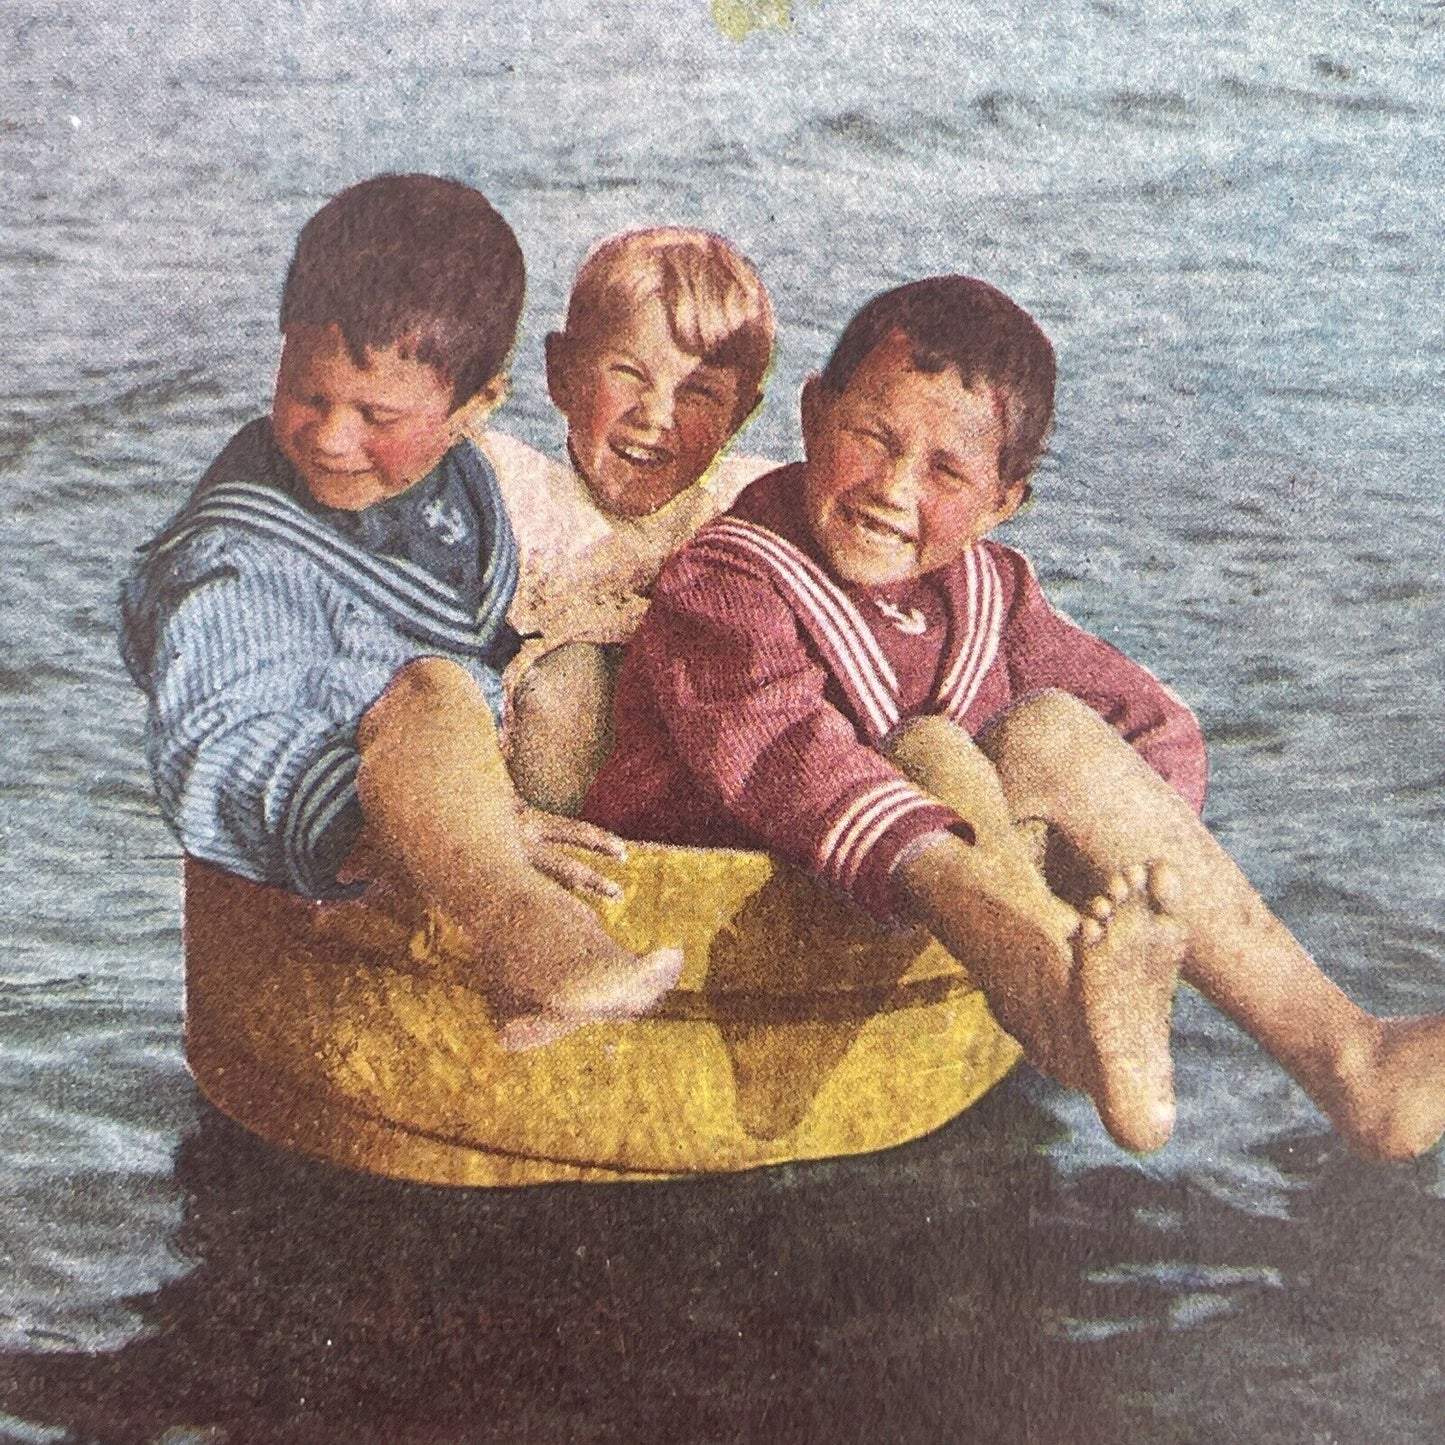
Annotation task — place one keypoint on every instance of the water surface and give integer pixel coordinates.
(1229, 219)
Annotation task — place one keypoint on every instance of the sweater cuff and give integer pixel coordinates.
(861, 849)
(323, 821)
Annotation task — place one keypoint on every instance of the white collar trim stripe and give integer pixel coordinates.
(398, 587)
(979, 639)
(866, 671)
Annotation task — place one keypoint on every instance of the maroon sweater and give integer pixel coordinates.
(755, 694)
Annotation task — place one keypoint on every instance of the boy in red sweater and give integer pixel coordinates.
(845, 672)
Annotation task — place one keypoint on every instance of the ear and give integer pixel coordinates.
(1013, 496)
(470, 415)
(815, 402)
(560, 352)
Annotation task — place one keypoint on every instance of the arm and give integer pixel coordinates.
(747, 707)
(253, 729)
(253, 711)
(1044, 649)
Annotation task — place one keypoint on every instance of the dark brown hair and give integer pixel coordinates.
(418, 263)
(973, 327)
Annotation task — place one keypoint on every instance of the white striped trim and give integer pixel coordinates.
(281, 515)
(323, 793)
(863, 822)
(395, 585)
(863, 667)
(978, 635)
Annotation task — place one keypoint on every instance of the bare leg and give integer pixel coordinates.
(561, 728)
(1380, 1081)
(441, 815)
(1089, 997)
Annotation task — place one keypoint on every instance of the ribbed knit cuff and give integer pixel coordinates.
(859, 852)
(323, 821)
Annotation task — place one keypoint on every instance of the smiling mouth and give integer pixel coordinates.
(878, 529)
(322, 469)
(641, 454)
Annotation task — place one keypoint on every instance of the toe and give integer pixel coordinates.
(1147, 1130)
(1137, 876)
(664, 968)
(1101, 908)
(1165, 886)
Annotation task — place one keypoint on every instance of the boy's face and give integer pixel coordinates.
(358, 435)
(644, 417)
(902, 471)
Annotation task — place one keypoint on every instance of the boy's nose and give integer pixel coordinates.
(900, 482)
(337, 432)
(656, 407)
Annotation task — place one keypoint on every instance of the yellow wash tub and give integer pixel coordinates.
(799, 1030)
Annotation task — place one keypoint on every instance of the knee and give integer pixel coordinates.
(922, 742)
(424, 688)
(1047, 740)
(1056, 711)
(561, 728)
(433, 682)
(943, 760)
(577, 672)
(564, 701)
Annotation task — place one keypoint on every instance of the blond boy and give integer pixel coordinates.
(667, 340)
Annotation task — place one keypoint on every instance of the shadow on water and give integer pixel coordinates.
(841, 1300)
(958, 1292)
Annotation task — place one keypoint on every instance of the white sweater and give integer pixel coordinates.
(586, 574)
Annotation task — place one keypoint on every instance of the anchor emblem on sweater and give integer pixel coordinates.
(912, 622)
(445, 521)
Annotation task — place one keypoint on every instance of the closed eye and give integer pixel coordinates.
(874, 436)
(702, 393)
(956, 472)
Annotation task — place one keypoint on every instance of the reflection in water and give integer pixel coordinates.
(960, 1293)
(837, 1300)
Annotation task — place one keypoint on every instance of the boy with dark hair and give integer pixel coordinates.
(417, 262)
(846, 672)
(320, 631)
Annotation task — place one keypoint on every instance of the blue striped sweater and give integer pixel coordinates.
(261, 627)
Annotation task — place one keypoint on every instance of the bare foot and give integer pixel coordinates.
(1127, 954)
(616, 994)
(550, 968)
(1389, 1102)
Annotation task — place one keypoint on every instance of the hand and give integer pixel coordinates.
(543, 837)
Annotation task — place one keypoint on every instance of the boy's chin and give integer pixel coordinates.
(624, 496)
(875, 578)
(347, 492)
(872, 567)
